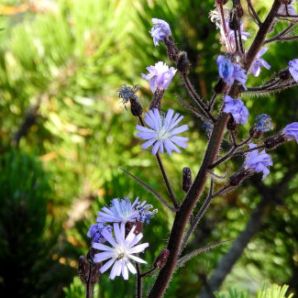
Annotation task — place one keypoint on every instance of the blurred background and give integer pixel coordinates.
(65, 134)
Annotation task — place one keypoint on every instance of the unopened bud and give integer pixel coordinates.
(285, 75)
(161, 260)
(135, 107)
(183, 64)
(231, 124)
(186, 179)
(239, 177)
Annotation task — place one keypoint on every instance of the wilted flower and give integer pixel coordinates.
(291, 131)
(263, 123)
(227, 36)
(123, 211)
(259, 63)
(160, 30)
(121, 252)
(230, 72)
(162, 132)
(95, 232)
(159, 76)
(258, 162)
(293, 69)
(237, 108)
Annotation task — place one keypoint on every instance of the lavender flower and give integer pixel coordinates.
(160, 30)
(159, 76)
(162, 132)
(259, 63)
(123, 211)
(121, 252)
(291, 131)
(230, 72)
(237, 108)
(258, 161)
(293, 69)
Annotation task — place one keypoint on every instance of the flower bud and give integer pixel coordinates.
(186, 179)
(183, 64)
(161, 260)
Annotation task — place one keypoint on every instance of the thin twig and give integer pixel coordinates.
(144, 274)
(139, 290)
(253, 13)
(148, 188)
(184, 259)
(281, 34)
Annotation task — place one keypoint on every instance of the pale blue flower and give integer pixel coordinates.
(291, 131)
(159, 76)
(160, 30)
(258, 161)
(230, 72)
(121, 251)
(236, 108)
(162, 132)
(259, 63)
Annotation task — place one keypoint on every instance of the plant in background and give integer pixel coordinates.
(234, 66)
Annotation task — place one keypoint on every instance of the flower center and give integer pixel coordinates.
(162, 134)
(121, 253)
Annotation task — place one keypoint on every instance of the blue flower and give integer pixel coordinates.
(162, 132)
(160, 30)
(293, 69)
(120, 251)
(258, 162)
(291, 131)
(230, 72)
(236, 108)
(259, 63)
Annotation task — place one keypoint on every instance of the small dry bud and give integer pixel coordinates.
(186, 179)
(183, 64)
(275, 141)
(219, 87)
(161, 260)
(135, 107)
(231, 124)
(239, 177)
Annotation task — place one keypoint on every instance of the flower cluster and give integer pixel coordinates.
(258, 162)
(159, 76)
(236, 108)
(230, 72)
(111, 228)
(162, 132)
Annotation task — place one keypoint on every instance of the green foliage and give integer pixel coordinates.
(24, 239)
